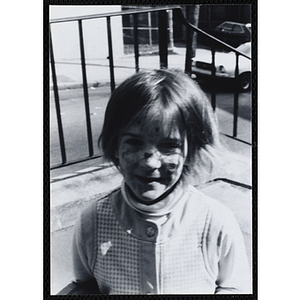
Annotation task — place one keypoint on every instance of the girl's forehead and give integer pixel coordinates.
(146, 129)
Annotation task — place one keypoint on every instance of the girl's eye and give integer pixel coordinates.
(134, 142)
(170, 147)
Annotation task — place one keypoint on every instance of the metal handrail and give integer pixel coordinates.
(163, 54)
(146, 10)
(115, 14)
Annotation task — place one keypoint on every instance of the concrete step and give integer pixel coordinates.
(72, 192)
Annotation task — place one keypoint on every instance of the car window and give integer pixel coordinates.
(224, 27)
(237, 29)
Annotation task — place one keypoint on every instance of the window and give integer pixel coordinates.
(226, 27)
(237, 29)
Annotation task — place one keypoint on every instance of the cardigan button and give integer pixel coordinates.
(150, 231)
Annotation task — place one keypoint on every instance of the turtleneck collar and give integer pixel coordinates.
(159, 209)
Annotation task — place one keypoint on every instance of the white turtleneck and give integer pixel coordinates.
(159, 211)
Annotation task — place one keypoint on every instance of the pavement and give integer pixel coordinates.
(69, 73)
(73, 188)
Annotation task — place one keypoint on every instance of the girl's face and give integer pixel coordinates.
(150, 162)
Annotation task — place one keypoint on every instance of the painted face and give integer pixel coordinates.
(150, 162)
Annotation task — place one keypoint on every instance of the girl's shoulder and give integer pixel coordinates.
(213, 208)
(97, 207)
(215, 215)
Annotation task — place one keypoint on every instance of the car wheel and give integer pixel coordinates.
(245, 82)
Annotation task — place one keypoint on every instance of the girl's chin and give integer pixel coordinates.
(150, 196)
(150, 193)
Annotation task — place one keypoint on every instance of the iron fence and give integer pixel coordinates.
(162, 12)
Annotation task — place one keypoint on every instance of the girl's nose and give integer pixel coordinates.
(152, 159)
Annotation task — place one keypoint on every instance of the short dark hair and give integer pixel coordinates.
(164, 98)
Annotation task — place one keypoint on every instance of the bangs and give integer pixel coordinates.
(161, 117)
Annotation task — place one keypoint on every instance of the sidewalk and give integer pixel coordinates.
(69, 73)
(76, 187)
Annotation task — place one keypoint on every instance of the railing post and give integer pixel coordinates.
(236, 97)
(150, 29)
(192, 13)
(136, 43)
(85, 91)
(110, 55)
(57, 105)
(188, 54)
(163, 38)
(213, 81)
(171, 39)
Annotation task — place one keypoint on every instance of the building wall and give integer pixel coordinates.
(65, 36)
(147, 26)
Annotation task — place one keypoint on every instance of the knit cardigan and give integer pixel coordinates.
(199, 249)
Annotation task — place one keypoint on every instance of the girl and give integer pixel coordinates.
(158, 234)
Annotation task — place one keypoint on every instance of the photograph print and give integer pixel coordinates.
(151, 164)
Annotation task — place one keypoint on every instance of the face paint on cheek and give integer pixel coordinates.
(129, 157)
(127, 154)
(174, 166)
(174, 161)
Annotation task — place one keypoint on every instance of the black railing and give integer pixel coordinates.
(163, 60)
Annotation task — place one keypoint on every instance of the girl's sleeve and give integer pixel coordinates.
(84, 245)
(233, 267)
(226, 254)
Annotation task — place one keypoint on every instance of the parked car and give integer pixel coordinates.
(225, 63)
(232, 33)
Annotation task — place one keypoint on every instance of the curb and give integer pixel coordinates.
(81, 172)
(77, 85)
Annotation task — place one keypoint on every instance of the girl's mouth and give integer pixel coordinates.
(147, 180)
